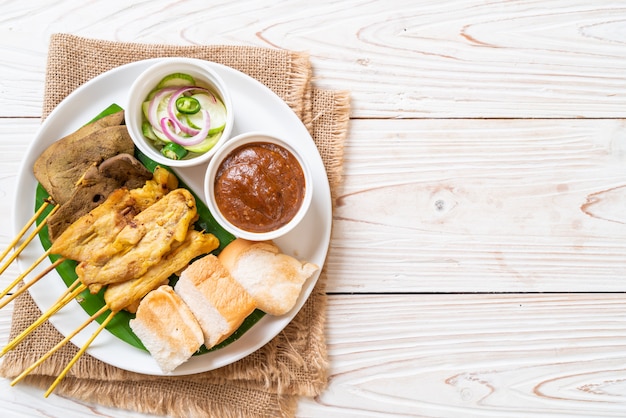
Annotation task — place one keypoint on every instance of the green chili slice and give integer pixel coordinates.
(173, 151)
(187, 105)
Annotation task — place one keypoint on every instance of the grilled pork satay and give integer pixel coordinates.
(89, 236)
(127, 295)
(162, 183)
(84, 237)
(143, 242)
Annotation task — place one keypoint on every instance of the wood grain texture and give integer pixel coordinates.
(486, 153)
(402, 58)
(482, 205)
(15, 138)
(447, 356)
(487, 356)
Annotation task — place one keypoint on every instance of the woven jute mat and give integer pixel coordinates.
(268, 382)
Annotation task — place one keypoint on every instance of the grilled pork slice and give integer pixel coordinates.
(89, 238)
(86, 237)
(142, 242)
(167, 328)
(218, 302)
(272, 278)
(128, 294)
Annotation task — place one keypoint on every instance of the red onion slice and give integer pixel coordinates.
(154, 104)
(168, 125)
(172, 127)
(173, 114)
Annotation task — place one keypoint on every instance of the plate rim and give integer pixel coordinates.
(253, 341)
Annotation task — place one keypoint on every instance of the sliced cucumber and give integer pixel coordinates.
(148, 132)
(175, 80)
(159, 113)
(208, 143)
(145, 107)
(217, 112)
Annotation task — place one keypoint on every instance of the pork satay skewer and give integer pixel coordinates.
(123, 295)
(121, 200)
(19, 236)
(180, 197)
(77, 286)
(32, 235)
(80, 353)
(65, 298)
(114, 210)
(28, 284)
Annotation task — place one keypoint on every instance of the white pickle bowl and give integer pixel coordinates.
(145, 84)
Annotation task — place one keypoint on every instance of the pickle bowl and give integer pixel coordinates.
(258, 186)
(179, 112)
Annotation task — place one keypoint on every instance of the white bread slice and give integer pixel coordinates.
(273, 279)
(219, 303)
(167, 328)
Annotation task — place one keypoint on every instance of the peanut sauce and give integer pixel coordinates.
(259, 187)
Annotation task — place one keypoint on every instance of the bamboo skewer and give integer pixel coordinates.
(28, 284)
(27, 271)
(21, 276)
(70, 294)
(27, 241)
(80, 353)
(32, 220)
(59, 345)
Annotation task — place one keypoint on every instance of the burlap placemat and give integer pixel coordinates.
(269, 381)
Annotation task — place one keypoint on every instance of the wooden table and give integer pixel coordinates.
(478, 263)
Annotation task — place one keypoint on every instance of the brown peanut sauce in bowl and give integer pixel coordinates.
(259, 187)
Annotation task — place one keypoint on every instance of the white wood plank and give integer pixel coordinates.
(478, 356)
(15, 137)
(481, 205)
(405, 58)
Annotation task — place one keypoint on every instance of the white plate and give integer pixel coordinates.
(256, 109)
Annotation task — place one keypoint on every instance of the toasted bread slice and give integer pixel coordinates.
(167, 328)
(217, 300)
(272, 278)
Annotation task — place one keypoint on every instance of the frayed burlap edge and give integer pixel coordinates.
(175, 400)
(66, 50)
(335, 125)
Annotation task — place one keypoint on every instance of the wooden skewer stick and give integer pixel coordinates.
(28, 284)
(59, 345)
(61, 302)
(27, 241)
(26, 272)
(19, 236)
(80, 353)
